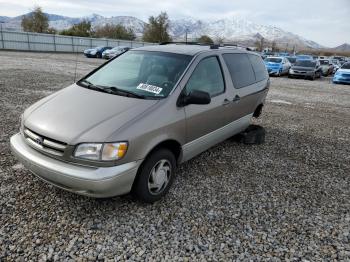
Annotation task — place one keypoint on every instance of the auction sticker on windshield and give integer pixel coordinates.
(149, 88)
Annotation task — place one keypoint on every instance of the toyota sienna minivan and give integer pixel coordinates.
(128, 124)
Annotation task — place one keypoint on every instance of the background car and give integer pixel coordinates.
(292, 59)
(342, 76)
(326, 66)
(110, 53)
(336, 65)
(306, 69)
(277, 65)
(96, 52)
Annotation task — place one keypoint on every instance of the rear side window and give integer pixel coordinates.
(240, 68)
(258, 67)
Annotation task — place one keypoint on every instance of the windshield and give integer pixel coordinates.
(305, 63)
(273, 60)
(292, 59)
(324, 62)
(145, 73)
(98, 47)
(304, 57)
(346, 66)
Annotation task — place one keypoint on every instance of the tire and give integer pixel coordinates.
(146, 188)
(313, 77)
(99, 55)
(254, 134)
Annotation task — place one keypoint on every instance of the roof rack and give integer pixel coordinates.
(212, 46)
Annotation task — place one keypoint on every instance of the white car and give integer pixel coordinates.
(108, 54)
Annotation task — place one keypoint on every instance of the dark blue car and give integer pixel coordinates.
(96, 52)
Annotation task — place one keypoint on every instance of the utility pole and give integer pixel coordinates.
(186, 35)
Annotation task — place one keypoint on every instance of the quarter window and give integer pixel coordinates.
(207, 77)
(259, 67)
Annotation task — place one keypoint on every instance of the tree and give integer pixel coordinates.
(157, 29)
(260, 44)
(115, 32)
(81, 29)
(274, 46)
(204, 39)
(35, 21)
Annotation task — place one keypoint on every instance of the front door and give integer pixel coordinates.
(203, 122)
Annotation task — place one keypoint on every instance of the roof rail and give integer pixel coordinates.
(212, 46)
(236, 45)
(182, 43)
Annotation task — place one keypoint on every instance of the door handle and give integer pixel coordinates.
(226, 102)
(236, 98)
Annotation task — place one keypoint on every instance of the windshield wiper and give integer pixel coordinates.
(110, 89)
(116, 90)
(90, 85)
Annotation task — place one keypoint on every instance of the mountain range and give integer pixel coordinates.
(232, 29)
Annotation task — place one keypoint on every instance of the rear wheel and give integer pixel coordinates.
(155, 176)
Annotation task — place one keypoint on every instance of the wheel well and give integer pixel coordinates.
(172, 145)
(258, 111)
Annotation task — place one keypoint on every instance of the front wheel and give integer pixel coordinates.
(155, 176)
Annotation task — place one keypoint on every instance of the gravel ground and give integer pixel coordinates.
(288, 199)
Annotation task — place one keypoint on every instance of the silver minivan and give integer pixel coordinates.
(128, 124)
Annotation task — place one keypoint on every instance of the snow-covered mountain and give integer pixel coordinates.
(343, 48)
(235, 29)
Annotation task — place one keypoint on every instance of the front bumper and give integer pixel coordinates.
(273, 71)
(90, 55)
(301, 74)
(341, 80)
(89, 181)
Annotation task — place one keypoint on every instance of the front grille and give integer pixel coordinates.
(44, 144)
(346, 75)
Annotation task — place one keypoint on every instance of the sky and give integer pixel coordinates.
(326, 22)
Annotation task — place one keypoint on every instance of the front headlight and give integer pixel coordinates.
(291, 71)
(93, 52)
(101, 152)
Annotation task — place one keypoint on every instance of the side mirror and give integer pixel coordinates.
(195, 97)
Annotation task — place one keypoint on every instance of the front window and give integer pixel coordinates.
(273, 60)
(144, 73)
(207, 77)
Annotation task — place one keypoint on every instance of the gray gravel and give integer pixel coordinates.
(288, 199)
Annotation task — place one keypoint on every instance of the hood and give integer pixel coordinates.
(116, 51)
(77, 115)
(302, 68)
(343, 71)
